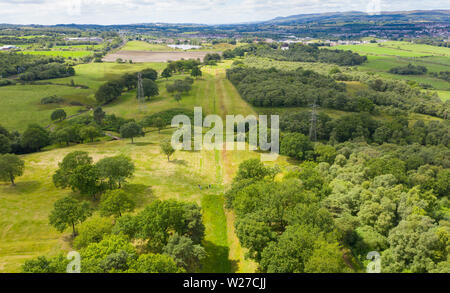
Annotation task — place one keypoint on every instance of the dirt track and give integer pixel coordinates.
(145, 56)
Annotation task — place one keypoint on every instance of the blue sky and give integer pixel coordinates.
(195, 11)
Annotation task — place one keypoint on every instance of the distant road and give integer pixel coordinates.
(146, 56)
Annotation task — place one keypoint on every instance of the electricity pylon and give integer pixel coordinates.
(140, 92)
(313, 125)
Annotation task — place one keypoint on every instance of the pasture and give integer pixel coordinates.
(24, 224)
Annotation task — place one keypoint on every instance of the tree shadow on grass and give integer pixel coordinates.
(141, 193)
(139, 144)
(178, 162)
(21, 187)
(217, 259)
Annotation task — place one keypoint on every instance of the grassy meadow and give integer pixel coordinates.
(24, 227)
(384, 56)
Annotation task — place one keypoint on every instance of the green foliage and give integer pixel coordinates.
(166, 73)
(131, 130)
(167, 149)
(296, 145)
(89, 132)
(252, 169)
(149, 73)
(58, 114)
(93, 230)
(116, 170)
(108, 92)
(68, 165)
(150, 88)
(185, 253)
(276, 88)
(116, 202)
(43, 265)
(157, 219)
(68, 212)
(180, 86)
(35, 138)
(409, 70)
(99, 115)
(302, 249)
(154, 263)
(196, 72)
(11, 166)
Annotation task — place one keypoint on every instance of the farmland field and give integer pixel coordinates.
(24, 218)
(384, 56)
(146, 56)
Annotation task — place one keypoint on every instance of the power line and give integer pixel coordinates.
(140, 91)
(313, 125)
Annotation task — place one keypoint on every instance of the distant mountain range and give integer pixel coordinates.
(357, 16)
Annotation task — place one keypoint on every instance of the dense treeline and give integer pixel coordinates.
(409, 70)
(274, 88)
(354, 126)
(13, 63)
(299, 52)
(47, 71)
(445, 75)
(279, 88)
(342, 202)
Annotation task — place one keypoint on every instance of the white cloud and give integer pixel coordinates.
(197, 11)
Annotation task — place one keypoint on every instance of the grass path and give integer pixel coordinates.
(231, 103)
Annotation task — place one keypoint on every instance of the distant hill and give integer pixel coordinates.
(357, 16)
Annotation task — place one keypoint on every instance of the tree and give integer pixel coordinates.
(11, 166)
(35, 138)
(185, 253)
(62, 136)
(116, 202)
(131, 130)
(89, 132)
(254, 234)
(99, 115)
(159, 123)
(177, 97)
(324, 153)
(167, 149)
(67, 167)
(196, 72)
(100, 257)
(5, 144)
(58, 114)
(149, 73)
(166, 73)
(108, 92)
(42, 265)
(68, 212)
(154, 263)
(87, 180)
(251, 169)
(150, 88)
(326, 258)
(296, 145)
(116, 169)
(129, 80)
(93, 230)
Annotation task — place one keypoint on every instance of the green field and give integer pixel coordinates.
(399, 49)
(65, 54)
(384, 56)
(24, 100)
(144, 46)
(24, 224)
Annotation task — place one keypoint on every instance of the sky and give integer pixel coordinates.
(49, 12)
